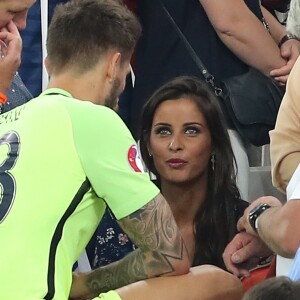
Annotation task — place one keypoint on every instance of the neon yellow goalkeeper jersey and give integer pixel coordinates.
(62, 161)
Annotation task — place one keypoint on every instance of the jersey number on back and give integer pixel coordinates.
(7, 181)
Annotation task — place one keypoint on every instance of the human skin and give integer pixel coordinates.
(244, 35)
(201, 283)
(13, 15)
(181, 146)
(278, 232)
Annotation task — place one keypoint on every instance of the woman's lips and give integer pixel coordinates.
(176, 163)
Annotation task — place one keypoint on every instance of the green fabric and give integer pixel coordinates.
(111, 295)
(64, 145)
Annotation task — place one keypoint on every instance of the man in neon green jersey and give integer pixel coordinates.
(66, 155)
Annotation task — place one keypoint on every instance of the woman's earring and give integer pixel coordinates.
(150, 155)
(213, 160)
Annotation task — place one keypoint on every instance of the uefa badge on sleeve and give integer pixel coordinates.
(134, 159)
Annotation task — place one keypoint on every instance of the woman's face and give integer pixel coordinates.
(180, 141)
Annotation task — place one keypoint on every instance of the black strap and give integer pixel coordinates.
(188, 46)
(208, 77)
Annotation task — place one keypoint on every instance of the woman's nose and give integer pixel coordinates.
(175, 144)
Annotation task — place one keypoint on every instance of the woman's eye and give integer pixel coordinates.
(192, 131)
(163, 131)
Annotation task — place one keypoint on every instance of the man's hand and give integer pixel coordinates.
(243, 223)
(11, 62)
(290, 51)
(243, 253)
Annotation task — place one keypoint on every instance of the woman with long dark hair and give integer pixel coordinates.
(208, 200)
(185, 144)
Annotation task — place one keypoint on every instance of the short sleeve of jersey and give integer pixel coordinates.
(109, 158)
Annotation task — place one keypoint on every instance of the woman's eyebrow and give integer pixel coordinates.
(161, 123)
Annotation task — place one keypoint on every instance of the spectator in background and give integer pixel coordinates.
(284, 160)
(31, 68)
(277, 288)
(13, 14)
(227, 36)
(278, 226)
(281, 6)
(293, 20)
(184, 143)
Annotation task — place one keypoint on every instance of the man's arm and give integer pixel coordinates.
(161, 252)
(154, 230)
(244, 253)
(284, 160)
(278, 226)
(247, 247)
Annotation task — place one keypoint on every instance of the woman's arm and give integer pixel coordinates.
(243, 33)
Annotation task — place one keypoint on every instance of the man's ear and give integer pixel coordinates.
(47, 65)
(113, 66)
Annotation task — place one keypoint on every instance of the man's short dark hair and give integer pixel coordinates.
(83, 30)
(276, 288)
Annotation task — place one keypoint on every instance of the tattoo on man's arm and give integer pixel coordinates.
(153, 229)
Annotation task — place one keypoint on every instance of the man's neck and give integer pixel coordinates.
(82, 87)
